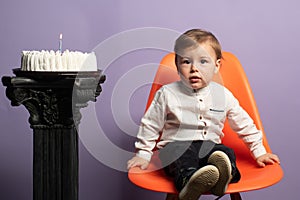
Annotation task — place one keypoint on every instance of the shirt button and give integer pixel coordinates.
(200, 117)
(204, 132)
(200, 100)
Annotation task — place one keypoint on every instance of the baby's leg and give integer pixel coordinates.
(224, 159)
(180, 161)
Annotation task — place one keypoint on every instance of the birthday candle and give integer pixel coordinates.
(60, 43)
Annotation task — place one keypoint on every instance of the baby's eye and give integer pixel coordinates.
(186, 62)
(203, 61)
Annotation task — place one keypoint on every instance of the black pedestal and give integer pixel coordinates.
(53, 100)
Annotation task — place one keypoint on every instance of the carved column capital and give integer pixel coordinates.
(53, 101)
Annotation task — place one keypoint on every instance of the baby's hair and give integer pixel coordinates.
(194, 37)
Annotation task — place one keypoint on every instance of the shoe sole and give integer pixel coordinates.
(200, 182)
(222, 162)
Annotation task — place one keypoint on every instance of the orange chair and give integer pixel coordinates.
(233, 77)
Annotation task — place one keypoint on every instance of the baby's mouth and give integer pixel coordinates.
(194, 79)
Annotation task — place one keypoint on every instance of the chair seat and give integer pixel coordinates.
(155, 179)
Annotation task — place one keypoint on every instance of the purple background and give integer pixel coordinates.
(263, 35)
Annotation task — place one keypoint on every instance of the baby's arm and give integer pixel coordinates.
(242, 123)
(267, 158)
(137, 162)
(151, 125)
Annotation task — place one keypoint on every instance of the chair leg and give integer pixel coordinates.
(172, 196)
(235, 196)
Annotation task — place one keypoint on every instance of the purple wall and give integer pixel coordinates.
(263, 35)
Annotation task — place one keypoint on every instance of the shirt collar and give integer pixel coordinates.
(198, 92)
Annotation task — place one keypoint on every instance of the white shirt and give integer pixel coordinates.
(180, 113)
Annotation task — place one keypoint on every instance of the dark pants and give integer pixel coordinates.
(182, 158)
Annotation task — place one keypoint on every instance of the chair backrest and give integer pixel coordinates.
(233, 77)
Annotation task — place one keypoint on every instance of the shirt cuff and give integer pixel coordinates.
(144, 154)
(259, 152)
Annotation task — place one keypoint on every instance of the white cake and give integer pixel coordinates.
(51, 61)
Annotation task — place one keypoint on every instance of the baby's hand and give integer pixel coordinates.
(137, 162)
(267, 158)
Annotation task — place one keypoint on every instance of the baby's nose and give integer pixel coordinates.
(194, 68)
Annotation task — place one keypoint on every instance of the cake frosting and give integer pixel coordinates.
(56, 61)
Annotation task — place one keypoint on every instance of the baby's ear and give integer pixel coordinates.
(176, 63)
(218, 65)
(177, 69)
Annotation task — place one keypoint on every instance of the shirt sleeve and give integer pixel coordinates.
(151, 124)
(243, 125)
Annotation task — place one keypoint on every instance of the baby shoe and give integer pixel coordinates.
(222, 162)
(200, 182)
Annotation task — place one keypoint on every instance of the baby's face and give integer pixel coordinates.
(197, 66)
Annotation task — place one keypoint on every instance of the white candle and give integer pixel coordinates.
(60, 43)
